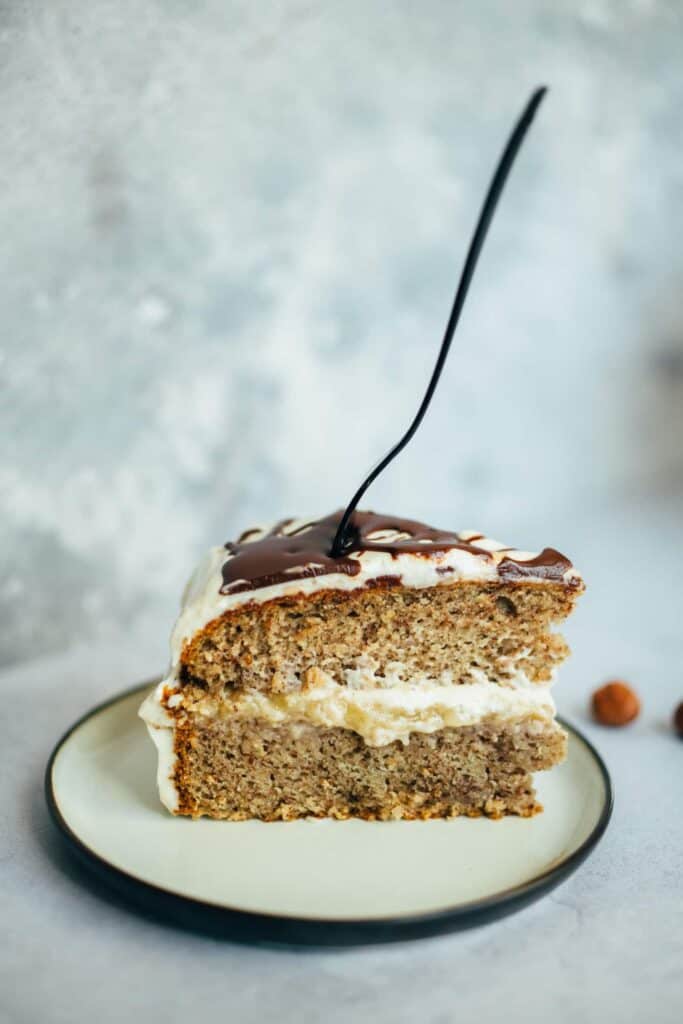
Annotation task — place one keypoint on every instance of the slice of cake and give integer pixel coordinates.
(408, 678)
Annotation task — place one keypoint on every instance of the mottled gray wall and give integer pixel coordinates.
(230, 235)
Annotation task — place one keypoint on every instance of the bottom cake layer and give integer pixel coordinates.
(239, 769)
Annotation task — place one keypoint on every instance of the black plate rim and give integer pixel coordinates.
(234, 923)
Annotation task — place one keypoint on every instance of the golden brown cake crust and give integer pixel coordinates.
(232, 769)
(497, 628)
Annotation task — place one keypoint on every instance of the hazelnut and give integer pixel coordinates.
(615, 704)
(678, 719)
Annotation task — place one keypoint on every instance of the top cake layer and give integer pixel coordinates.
(293, 558)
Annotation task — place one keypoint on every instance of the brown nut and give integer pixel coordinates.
(678, 719)
(615, 704)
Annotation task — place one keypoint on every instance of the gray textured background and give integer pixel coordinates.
(231, 233)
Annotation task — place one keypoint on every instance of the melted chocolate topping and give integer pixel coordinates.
(342, 538)
(549, 565)
(282, 556)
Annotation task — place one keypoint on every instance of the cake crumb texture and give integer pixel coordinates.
(493, 628)
(240, 769)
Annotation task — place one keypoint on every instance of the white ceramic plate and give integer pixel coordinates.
(323, 882)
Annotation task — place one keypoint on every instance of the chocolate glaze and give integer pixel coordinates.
(549, 565)
(279, 557)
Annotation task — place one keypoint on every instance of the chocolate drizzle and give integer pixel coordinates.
(549, 565)
(341, 539)
(336, 543)
(284, 554)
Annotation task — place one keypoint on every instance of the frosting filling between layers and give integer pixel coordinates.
(380, 715)
(383, 716)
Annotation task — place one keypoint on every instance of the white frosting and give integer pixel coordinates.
(382, 716)
(163, 738)
(203, 601)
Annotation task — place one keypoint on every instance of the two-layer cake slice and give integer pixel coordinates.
(408, 678)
